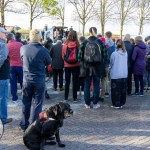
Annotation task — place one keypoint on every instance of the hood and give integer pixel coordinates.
(109, 42)
(121, 52)
(142, 45)
(71, 44)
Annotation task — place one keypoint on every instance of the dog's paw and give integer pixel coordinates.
(61, 144)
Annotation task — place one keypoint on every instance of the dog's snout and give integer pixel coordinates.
(71, 111)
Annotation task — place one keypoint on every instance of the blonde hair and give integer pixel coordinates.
(34, 36)
(138, 39)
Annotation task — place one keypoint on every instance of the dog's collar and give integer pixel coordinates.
(51, 119)
(44, 118)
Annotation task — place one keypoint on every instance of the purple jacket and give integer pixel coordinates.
(138, 58)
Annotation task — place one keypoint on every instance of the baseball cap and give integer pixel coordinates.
(2, 30)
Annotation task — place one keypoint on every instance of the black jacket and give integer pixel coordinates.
(97, 69)
(56, 55)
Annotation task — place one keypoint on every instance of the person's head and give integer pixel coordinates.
(34, 36)
(18, 36)
(99, 35)
(127, 37)
(3, 33)
(82, 39)
(147, 39)
(72, 36)
(138, 39)
(108, 34)
(120, 45)
(132, 41)
(10, 36)
(93, 31)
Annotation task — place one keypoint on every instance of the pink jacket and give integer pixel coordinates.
(14, 53)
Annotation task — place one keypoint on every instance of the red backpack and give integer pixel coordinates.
(71, 56)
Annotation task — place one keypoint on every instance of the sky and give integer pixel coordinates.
(22, 20)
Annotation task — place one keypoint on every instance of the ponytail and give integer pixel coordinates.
(93, 31)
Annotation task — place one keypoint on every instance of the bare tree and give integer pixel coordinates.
(124, 13)
(3, 5)
(84, 11)
(36, 8)
(143, 14)
(104, 12)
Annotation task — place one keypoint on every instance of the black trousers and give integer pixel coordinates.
(138, 79)
(58, 73)
(118, 92)
(129, 81)
(71, 72)
(81, 84)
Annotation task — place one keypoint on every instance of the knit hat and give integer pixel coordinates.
(34, 35)
(102, 39)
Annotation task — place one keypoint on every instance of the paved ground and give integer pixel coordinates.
(89, 129)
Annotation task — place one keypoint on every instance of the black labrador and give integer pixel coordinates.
(46, 126)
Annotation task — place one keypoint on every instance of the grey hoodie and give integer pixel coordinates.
(118, 65)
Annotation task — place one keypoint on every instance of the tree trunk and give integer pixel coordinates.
(102, 29)
(121, 29)
(2, 13)
(141, 27)
(31, 21)
(83, 28)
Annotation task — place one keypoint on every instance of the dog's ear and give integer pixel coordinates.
(56, 109)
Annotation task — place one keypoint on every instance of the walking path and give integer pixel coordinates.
(92, 129)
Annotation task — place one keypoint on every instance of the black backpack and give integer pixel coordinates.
(71, 56)
(92, 53)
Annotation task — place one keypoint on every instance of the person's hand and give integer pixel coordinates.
(49, 68)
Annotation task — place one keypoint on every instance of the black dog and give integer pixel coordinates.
(46, 126)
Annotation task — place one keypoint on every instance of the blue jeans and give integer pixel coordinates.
(33, 95)
(3, 99)
(16, 75)
(96, 85)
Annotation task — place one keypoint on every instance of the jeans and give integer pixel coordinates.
(56, 73)
(33, 94)
(3, 99)
(129, 81)
(74, 71)
(16, 75)
(138, 79)
(96, 85)
(147, 79)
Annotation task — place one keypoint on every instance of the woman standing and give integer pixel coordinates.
(139, 63)
(71, 68)
(118, 74)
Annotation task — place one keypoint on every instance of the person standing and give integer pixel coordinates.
(71, 68)
(4, 76)
(129, 48)
(139, 64)
(18, 37)
(57, 64)
(92, 56)
(16, 72)
(35, 57)
(118, 75)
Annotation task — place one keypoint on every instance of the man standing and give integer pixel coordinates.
(16, 72)
(4, 76)
(35, 57)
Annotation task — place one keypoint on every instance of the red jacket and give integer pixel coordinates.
(14, 53)
(71, 44)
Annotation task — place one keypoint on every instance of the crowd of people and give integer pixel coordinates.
(98, 64)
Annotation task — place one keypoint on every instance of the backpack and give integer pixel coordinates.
(71, 56)
(92, 53)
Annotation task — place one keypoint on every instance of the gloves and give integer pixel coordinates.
(49, 68)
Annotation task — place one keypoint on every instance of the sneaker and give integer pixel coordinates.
(107, 95)
(8, 120)
(76, 100)
(101, 99)
(82, 93)
(135, 94)
(65, 100)
(141, 94)
(78, 93)
(116, 107)
(95, 106)
(61, 89)
(86, 106)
